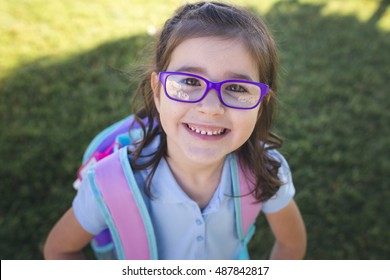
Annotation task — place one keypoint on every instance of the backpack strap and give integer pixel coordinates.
(246, 207)
(116, 190)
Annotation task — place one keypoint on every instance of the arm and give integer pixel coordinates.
(289, 230)
(66, 239)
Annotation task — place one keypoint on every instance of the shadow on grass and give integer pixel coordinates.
(334, 116)
(50, 110)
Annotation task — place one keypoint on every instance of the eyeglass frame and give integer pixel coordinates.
(163, 77)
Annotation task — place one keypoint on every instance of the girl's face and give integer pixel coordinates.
(205, 132)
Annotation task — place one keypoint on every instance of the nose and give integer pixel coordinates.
(211, 104)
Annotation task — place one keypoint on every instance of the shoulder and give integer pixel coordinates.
(284, 172)
(286, 191)
(86, 209)
(276, 155)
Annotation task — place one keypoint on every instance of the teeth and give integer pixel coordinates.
(207, 132)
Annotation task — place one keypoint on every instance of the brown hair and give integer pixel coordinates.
(205, 19)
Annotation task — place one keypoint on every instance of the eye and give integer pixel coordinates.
(236, 88)
(190, 82)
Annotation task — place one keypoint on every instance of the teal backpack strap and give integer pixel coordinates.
(120, 199)
(246, 207)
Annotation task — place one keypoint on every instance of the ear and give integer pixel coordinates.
(155, 85)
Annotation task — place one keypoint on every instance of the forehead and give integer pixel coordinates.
(214, 57)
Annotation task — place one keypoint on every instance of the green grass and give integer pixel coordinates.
(68, 69)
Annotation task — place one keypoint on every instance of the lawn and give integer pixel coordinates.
(69, 68)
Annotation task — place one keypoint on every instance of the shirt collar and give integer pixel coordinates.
(166, 189)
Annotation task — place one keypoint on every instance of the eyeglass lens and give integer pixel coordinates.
(238, 94)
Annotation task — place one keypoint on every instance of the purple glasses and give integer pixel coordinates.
(190, 88)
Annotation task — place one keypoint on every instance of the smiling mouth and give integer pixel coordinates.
(209, 131)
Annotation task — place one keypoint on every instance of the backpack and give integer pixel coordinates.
(106, 166)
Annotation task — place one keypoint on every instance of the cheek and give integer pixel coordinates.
(169, 111)
(247, 123)
(250, 127)
(172, 108)
(164, 114)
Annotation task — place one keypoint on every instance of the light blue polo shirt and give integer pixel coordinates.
(184, 231)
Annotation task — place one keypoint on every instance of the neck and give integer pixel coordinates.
(199, 182)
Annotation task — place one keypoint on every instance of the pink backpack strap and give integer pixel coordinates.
(246, 207)
(123, 207)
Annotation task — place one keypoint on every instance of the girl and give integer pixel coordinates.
(210, 94)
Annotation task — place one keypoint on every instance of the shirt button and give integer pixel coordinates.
(198, 222)
(199, 238)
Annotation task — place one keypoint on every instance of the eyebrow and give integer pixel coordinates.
(202, 71)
